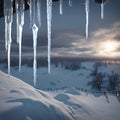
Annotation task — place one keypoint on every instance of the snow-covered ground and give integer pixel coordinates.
(61, 78)
(20, 101)
(61, 101)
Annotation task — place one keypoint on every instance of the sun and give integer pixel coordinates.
(109, 46)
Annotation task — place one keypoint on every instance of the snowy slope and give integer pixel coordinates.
(20, 101)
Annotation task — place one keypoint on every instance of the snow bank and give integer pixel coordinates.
(20, 101)
(72, 91)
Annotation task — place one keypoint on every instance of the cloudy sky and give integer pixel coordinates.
(68, 31)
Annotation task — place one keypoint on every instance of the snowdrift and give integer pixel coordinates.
(20, 101)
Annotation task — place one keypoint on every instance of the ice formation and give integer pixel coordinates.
(102, 10)
(35, 23)
(20, 22)
(70, 3)
(61, 7)
(87, 16)
(49, 19)
(35, 32)
(8, 13)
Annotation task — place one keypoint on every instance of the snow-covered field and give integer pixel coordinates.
(60, 100)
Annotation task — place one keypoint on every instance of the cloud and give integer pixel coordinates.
(74, 45)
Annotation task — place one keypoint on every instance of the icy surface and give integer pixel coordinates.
(87, 16)
(49, 19)
(8, 13)
(61, 7)
(20, 23)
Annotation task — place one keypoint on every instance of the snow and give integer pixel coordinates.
(19, 100)
(49, 20)
(72, 91)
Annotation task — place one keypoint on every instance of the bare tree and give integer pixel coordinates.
(97, 81)
(113, 79)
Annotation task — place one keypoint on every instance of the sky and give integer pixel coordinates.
(68, 31)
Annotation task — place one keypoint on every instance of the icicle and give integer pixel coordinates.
(9, 46)
(35, 23)
(8, 13)
(35, 32)
(49, 19)
(102, 10)
(39, 12)
(61, 7)
(35, 12)
(87, 16)
(70, 3)
(20, 23)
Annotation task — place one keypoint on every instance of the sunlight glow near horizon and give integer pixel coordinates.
(109, 48)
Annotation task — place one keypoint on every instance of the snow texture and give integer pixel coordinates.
(20, 101)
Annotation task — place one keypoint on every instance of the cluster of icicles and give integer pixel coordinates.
(35, 24)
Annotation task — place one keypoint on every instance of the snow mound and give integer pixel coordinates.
(72, 91)
(20, 101)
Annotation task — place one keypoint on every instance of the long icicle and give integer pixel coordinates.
(61, 7)
(102, 10)
(35, 23)
(20, 23)
(35, 32)
(8, 13)
(9, 45)
(87, 16)
(49, 19)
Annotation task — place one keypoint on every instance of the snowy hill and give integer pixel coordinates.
(20, 101)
